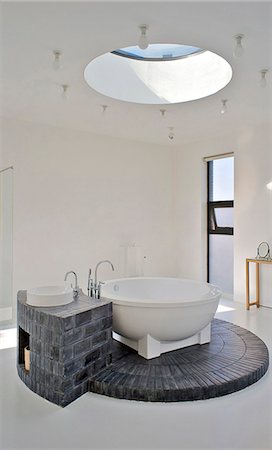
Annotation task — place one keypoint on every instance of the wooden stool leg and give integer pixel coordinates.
(258, 285)
(247, 285)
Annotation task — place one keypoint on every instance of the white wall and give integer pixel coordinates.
(252, 211)
(78, 197)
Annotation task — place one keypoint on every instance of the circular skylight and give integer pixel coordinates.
(160, 74)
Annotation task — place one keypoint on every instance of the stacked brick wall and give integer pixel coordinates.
(68, 345)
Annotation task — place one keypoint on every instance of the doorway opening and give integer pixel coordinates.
(6, 208)
(220, 227)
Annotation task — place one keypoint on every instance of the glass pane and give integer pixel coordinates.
(224, 217)
(158, 51)
(221, 179)
(221, 262)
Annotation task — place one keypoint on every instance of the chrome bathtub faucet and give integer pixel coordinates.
(76, 287)
(97, 284)
(90, 287)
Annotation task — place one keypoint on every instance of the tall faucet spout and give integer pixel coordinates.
(76, 284)
(96, 268)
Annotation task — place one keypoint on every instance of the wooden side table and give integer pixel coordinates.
(257, 263)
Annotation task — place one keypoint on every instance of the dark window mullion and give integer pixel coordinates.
(212, 218)
(222, 230)
(222, 204)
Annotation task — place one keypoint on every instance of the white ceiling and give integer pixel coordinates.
(31, 88)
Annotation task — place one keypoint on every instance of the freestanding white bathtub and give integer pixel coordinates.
(157, 315)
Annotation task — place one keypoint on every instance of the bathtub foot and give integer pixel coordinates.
(148, 347)
(204, 336)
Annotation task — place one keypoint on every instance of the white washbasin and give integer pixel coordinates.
(50, 296)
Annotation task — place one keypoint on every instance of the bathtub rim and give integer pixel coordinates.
(213, 295)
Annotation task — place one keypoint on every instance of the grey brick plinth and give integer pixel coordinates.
(68, 345)
(234, 359)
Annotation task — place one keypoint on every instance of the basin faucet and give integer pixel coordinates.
(75, 288)
(97, 285)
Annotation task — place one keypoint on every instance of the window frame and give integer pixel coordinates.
(211, 205)
(213, 228)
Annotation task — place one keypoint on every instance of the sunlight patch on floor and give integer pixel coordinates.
(223, 308)
(8, 338)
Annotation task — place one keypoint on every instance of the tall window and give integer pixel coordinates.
(221, 223)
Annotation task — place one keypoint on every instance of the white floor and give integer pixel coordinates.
(240, 420)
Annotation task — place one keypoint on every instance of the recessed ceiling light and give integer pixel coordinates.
(56, 62)
(64, 91)
(171, 133)
(104, 109)
(163, 111)
(161, 74)
(263, 81)
(143, 42)
(224, 108)
(238, 50)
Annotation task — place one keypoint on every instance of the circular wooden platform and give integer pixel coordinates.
(234, 359)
